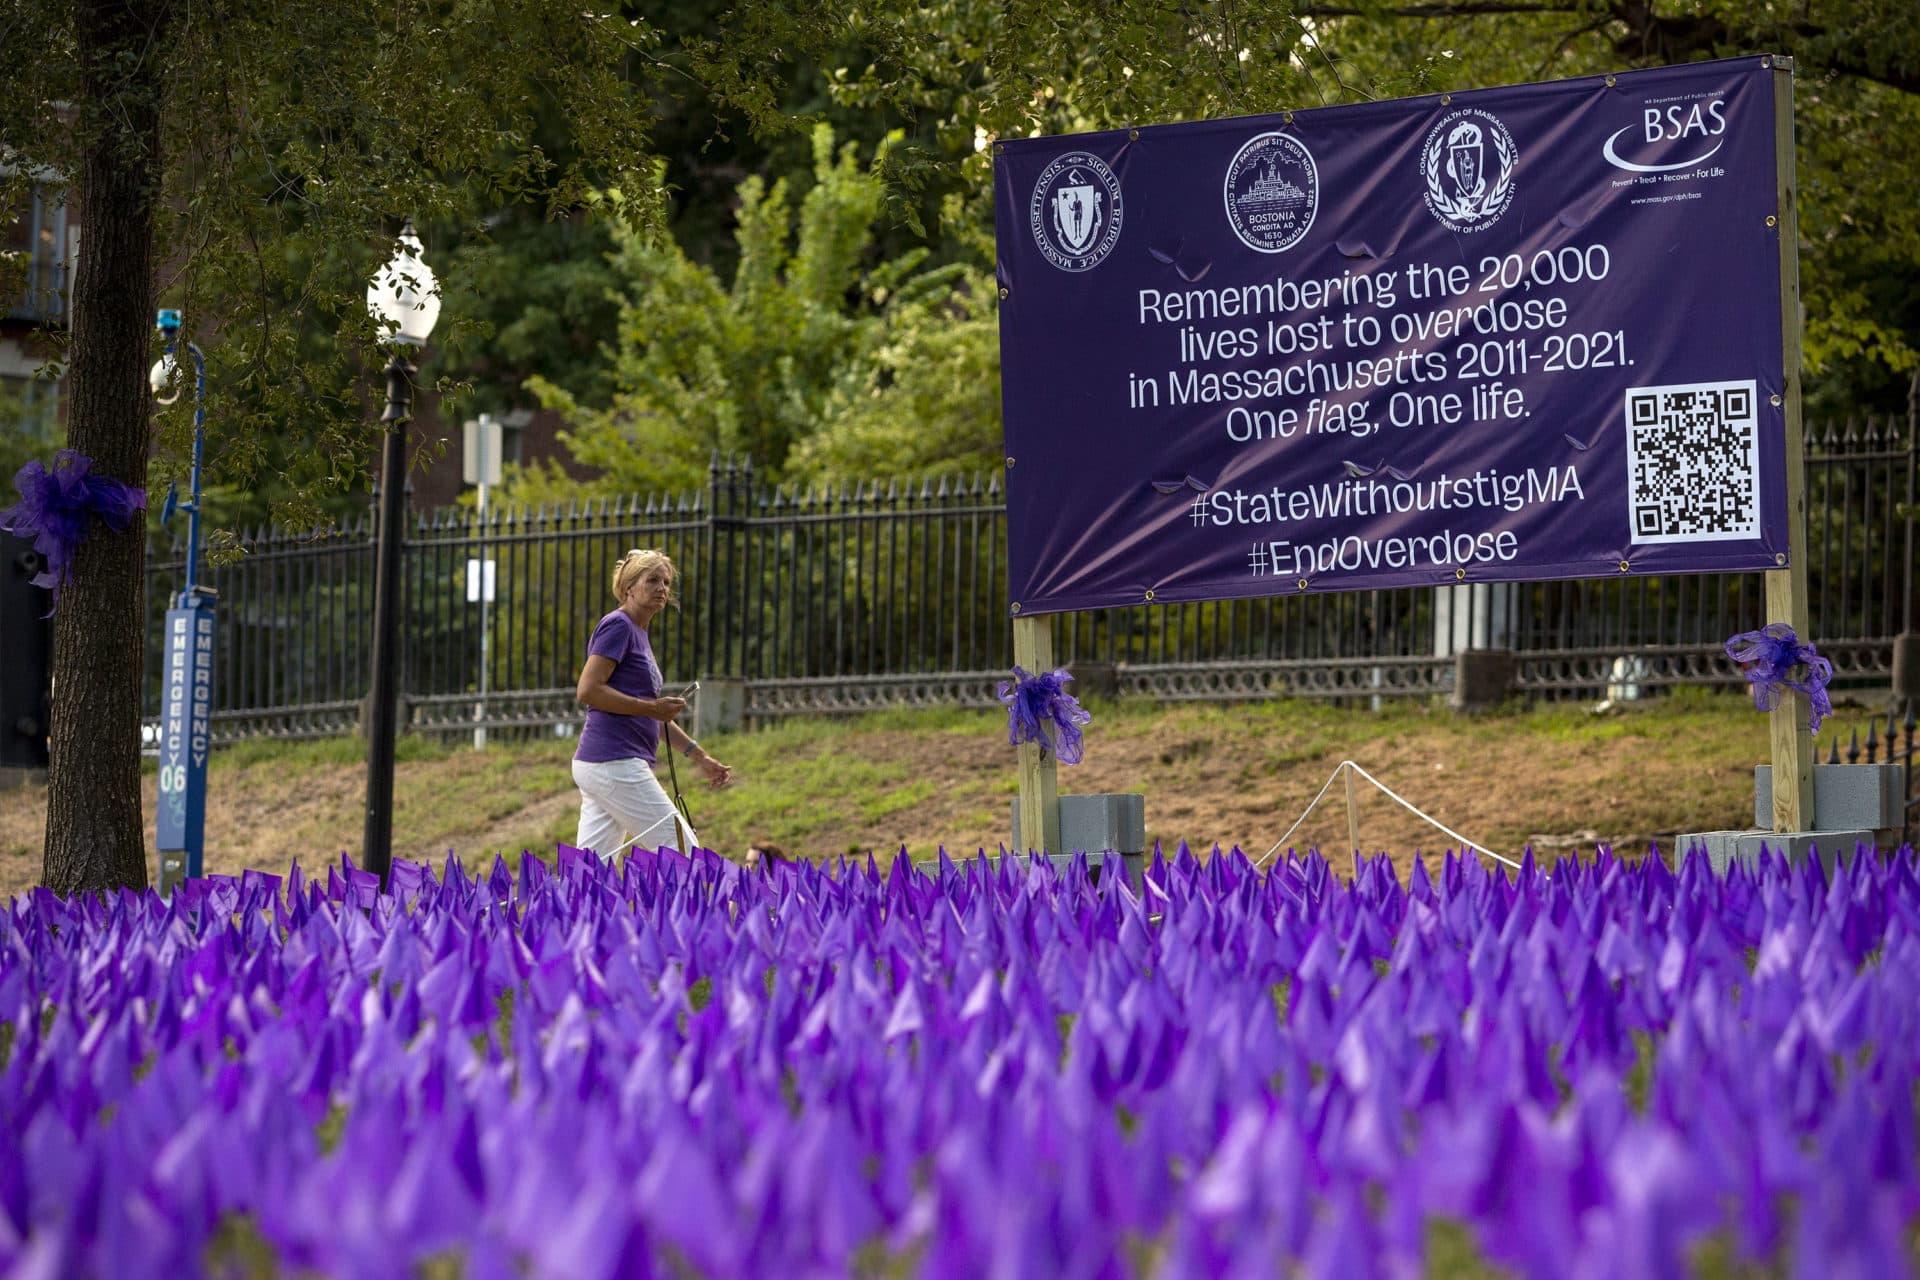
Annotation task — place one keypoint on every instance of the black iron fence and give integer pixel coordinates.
(854, 596)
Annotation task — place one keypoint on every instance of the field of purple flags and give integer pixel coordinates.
(673, 1067)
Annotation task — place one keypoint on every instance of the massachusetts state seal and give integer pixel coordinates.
(1272, 191)
(1076, 211)
(1468, 165)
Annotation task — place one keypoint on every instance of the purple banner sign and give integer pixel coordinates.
(1523, 333)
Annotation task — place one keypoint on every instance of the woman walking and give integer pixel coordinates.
(621, 802)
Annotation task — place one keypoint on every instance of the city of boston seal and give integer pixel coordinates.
(1076, 211)
(1468, 164)
(1272, 191)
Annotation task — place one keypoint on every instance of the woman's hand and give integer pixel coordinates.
(665, 709)
(718, 775)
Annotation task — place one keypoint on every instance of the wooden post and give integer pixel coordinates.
(1353, 813)
(1787, 587)
(1039, 785)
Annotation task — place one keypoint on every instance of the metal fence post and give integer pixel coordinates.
(703, 662)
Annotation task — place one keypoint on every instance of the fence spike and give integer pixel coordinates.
(1891, 735)
(1873, 739)
(1853, 748)
(993, 485)
(1852, 434)
(943, 491)
(1833, 754)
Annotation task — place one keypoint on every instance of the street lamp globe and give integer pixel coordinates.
(161, 379)
(404, 296)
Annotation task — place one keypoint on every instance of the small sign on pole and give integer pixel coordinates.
(480, 575)
(480, 451)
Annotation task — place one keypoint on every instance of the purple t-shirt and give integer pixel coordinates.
(610, 735)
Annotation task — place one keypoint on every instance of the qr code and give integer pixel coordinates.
(1693, 462)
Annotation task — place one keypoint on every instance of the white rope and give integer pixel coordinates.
(1395, 797)
(1303, 817)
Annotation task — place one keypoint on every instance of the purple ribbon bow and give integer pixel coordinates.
(1034, 701)
(54, 506)
(1767, 658)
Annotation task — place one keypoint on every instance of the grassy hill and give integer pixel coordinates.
(1558, 776)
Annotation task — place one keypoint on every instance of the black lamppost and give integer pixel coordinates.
(405, 301)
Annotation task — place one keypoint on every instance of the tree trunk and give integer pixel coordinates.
(96, 834)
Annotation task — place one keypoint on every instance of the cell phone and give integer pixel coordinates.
(689, 691)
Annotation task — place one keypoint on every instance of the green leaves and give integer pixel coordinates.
(815, 357)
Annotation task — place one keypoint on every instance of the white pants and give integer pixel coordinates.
(622, 804)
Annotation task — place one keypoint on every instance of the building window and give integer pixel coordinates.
(38, 232)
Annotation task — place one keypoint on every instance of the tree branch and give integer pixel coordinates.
(1641, 35)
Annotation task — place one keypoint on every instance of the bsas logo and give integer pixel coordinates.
(1677, 121)
(1674, 122)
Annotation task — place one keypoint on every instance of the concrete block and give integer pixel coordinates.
(1906, 667)
(720, 706)
(1101, 823)
(1724, 848)
(1846, 797)
(1482, 678)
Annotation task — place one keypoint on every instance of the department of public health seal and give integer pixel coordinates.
(1468, 165)
(1272, 191)
(1075, 211)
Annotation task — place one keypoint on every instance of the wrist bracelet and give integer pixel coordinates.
(690, 748)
